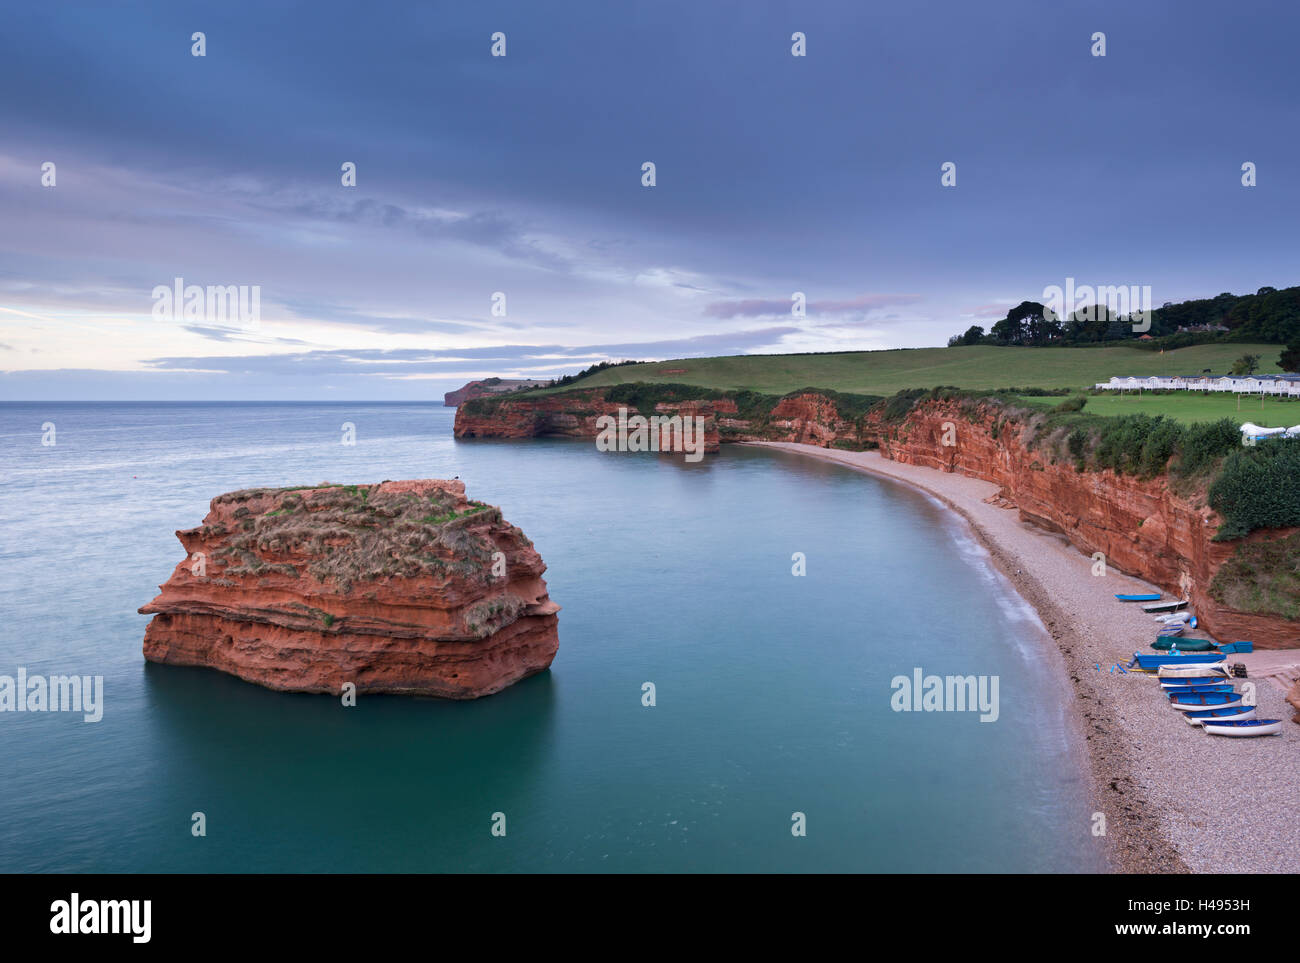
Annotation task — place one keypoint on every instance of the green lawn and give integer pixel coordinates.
(1188, 407)
(977, 366)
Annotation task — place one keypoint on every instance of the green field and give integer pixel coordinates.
(975, 367)
(1188, 407)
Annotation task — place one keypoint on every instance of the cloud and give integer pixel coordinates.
(404, 363)
(393, 324)
(996, 310)
(486, 228)
(771, 307)
(239, 335)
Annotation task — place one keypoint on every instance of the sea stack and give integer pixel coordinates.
(401, 587)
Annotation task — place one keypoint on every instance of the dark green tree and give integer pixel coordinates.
(1247, 364)
(1023, 324)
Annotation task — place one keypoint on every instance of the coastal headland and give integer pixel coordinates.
(1164, 787)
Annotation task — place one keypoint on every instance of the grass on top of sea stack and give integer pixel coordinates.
(978, 367)
(355, 533)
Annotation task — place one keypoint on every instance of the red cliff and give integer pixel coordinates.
(400, 587)
(573, 414)
(1142, 526)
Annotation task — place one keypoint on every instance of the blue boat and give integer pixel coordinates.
(1236, 714)
(1199, 689)
(1152, 662)
(1192, 682)
(1138, 598)
(1190, 701)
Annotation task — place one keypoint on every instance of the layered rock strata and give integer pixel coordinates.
(400, 587)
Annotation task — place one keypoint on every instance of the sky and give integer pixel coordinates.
(522, 175)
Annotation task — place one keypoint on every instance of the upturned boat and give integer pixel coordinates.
(1244, 727)
(1151, 662)
(1198, 671)
(1191, 701)
(1171, 641)
(1165, 606)
(1138, 598)
(1236, 714)
(1212, 689)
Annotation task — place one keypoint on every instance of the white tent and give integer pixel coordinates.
(1251, 431)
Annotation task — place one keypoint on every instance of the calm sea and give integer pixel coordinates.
(773, 691)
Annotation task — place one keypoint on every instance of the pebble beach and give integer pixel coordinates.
(1175, 799)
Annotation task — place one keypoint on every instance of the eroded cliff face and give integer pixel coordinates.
(400, 587)
(574, 415)
(1142, 526)
(806, 417)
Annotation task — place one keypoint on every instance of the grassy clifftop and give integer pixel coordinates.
(979, 367)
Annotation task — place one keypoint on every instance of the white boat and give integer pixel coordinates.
(1198, 701)
(1188, 683)
(1193, 671)
(1244, 728)
(1241, 714)
(1165, 606)
(1183, 616)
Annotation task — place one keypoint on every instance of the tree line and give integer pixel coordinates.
(1270, 316)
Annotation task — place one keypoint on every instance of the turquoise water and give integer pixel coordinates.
(773, 691)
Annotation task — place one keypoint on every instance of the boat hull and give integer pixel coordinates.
(1237, 714)
(1190, 702)
(1138, 598)
(1143, 660)
(1164, 607)
(1202, 671)
(1244, 729)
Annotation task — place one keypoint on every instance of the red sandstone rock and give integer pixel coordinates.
(389, 586)
(810, 419)
(1143, 527)
(574, 415)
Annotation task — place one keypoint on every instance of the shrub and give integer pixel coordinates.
(1261, 577)
(1204, 444)
(1258, 488)
(1160, 444)
(899, 406)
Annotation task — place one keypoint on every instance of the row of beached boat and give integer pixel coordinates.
(1173, 619)
(1197, 683)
